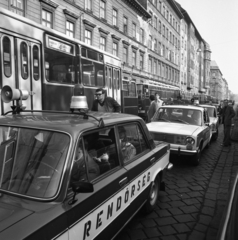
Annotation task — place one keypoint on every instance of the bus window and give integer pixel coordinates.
(93, 73)
(110, 78)
(59, 67)
(100, 78)
(125, 88)
(36, 69)
(24, 60)
(132, 89)
(7, 57)
(117, 79)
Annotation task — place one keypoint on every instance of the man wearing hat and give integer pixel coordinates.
(227, 113)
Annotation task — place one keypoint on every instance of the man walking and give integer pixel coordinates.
(105, 104)
(227, 113)
(154, 106)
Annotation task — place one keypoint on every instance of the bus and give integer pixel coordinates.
(48, 64)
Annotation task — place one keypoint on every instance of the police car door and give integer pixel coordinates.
(101, 213)
(207, 128)
(138, 160)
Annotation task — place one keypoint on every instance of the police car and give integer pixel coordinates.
(185, 127)
(214, 119)
(78, 175)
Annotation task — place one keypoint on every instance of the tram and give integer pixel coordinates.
(49, 64)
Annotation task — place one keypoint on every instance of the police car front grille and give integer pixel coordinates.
(169, 138)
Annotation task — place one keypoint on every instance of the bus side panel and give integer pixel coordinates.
(57, 97)
(130, 105)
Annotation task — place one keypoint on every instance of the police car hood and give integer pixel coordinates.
(10, 214)
(172, 128)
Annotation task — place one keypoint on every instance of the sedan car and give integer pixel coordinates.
(185, 127)
(76, 175)
(214, 119)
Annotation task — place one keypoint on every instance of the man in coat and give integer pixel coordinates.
(105, 104)
(227, 113)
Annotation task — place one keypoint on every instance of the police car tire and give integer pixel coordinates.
(153, 196)
(197, 157)
(215, 136)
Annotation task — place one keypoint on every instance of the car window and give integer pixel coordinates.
(132, 141)
(31, 161)
(95, 155)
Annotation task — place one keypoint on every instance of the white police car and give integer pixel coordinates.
(76, 176)
(185, 127)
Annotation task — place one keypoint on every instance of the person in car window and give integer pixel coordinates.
(196, 118)
(79, 168)
(128, 150)
(105, 104)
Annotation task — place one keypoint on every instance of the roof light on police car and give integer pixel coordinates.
(79, 100)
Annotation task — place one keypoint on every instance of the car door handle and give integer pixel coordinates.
(152, 160)
(123, 181)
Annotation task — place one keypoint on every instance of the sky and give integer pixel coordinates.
(217, 23)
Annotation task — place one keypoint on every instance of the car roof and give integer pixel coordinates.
(207, 105)
(184, 107)
(65, 122)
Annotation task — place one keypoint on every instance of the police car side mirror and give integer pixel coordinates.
(80, 187)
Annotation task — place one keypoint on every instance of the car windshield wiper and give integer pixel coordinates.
(180, 120)
(166, 120)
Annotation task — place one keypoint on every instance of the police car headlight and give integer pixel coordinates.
(190, 140)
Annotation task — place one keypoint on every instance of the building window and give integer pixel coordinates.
(155, 23)
(142, 36)
(102, 43)
(163, 30)
(103, 9)
(125, 54)
(150, 65)
(125, 25)
(47, 18)
(159, 27)
(114, 17)
(155, 66)
(88, 36)
(88, 5)
(133, 30)
(150, 42)
(155, 45)
(134, 58)
(141, 61)
(115, 49)
(69, 29)
(18, 7)
(160, 49)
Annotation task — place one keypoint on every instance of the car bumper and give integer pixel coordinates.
(179, 151)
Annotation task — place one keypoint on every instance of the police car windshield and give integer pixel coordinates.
(178, 115)
(31, 161)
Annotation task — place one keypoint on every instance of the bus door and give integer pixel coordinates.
(29, 75)
(7, 68)
(113, 83)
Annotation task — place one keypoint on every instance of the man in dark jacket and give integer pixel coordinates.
(105, 104)
(227, 113)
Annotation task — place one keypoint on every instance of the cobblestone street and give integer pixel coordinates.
(192, 206)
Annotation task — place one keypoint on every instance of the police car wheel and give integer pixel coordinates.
(215, 136)
(196, 157)
(153, 196)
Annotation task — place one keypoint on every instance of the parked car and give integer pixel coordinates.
(185, 127)
(76, 175)
(214, 119)
(228, 226)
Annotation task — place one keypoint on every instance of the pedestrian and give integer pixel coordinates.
(150, 112)
(227, 113)
(154, 106)
(105, 104)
